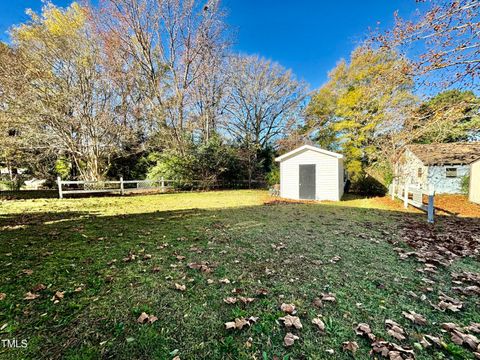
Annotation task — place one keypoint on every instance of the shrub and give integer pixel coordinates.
(273, 177)
(369, 186)
(465, 186)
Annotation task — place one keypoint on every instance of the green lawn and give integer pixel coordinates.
(82, 244)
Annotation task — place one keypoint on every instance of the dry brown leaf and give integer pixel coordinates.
(414, 317)
(289, 339)
(394, 330)
(3, 296)
(240, 323)
(230, 325)
(230, 300)
(290, 321)
(224, 281)
(288, 308)
(320, 324)
(246, 300)
(38, 287)
(317, 302)
(142, 318)
(328, 297)
(351, 346)
(363, 329)
(203, 267)
(261, 292)
(210, 281)
(180, 257)
(180, 287)
(31, 296)
(27, 271)
(436, 340)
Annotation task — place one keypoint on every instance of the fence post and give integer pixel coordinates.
(405, 194)
(122, 190)
(431, 209)
(163, 184)
(59, 182)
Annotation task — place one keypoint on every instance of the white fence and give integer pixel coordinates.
(121, 186)
(414, 195)
(131, 186)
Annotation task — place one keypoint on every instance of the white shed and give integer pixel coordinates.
(311, 173)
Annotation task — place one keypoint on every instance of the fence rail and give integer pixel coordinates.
(414, 195)
(131, 186)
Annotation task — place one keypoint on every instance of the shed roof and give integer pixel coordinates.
(447, 154)
(308, 147)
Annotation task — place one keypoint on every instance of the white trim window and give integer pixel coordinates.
(451, 172)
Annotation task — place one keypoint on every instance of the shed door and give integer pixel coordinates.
(307, 182)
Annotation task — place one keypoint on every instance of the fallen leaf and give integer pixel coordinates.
(3, 296)
(38, 287)
(363, 329)
(350, 346)
(320, 324)
(289, 339)
(210, 281)
(328, 297)
(246, 300)
(224, 281)
(240, 323)
(290, 321)
(27, 271)
(414, 317)
(142, 318)
(394, 330)
(180, 287)
(230, 300)
(288, 308)
(31, 296)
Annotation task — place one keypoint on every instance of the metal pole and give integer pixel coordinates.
(59, 182)
(405, 194)
(431, 208)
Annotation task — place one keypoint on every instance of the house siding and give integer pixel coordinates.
(474, 191)
(407, 168)
(409, 164)
(437, 176)
(326, 177)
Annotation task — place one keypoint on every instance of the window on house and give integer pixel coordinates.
(419, 172)
(451, 172)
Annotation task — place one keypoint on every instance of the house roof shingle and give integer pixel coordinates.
(447, 154)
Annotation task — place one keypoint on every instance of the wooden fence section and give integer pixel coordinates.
(414, 196)
(131, 186)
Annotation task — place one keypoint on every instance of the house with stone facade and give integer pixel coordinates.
(445, 166)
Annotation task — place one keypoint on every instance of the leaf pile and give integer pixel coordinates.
(457, 237)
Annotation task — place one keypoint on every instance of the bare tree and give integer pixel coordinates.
(59, 93)
(173, 42)
(263, 99)
(443, 39)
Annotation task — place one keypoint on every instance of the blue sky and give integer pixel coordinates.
(308, 36)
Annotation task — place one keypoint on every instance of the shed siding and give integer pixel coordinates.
(327, 180)
(341, 180)
(474, 192)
